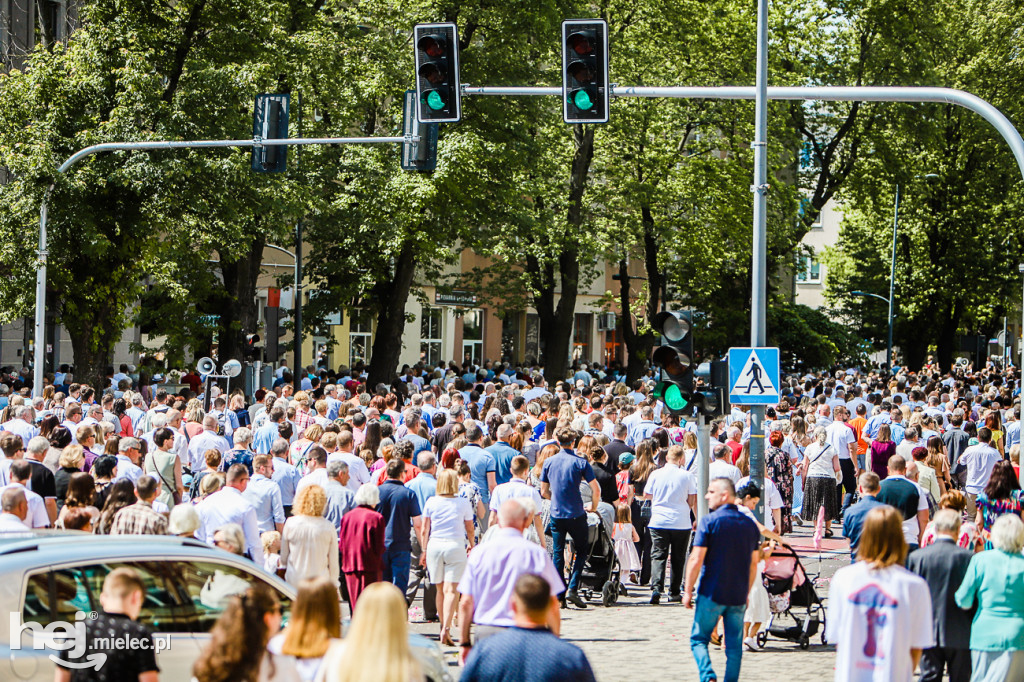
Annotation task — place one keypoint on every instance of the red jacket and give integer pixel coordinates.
(361, 540)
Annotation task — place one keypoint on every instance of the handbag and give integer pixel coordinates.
(646, 507)
(175, 495)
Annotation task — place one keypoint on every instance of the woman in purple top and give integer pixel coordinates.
(882, 448)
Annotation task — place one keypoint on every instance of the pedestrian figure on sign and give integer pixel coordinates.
(755, 372)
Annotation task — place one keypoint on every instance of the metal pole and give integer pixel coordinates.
(892, 275)
(703, 464)
(297, 376)
(759, 284)
(1021, 268)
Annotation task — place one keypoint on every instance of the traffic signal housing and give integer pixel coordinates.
(675, 360)
(712, 393)
(586, 92)
(270, 122)
(438, 90)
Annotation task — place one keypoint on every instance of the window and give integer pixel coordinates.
(581, 337)
(164, 608)
(473, 336)
(430, 335)
(360, 337)
(208, 587)
(808, 270)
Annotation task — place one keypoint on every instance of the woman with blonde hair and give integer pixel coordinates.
(71, 461)
(301, 447)
(376, 648)
(446, 529)
(879, 613)
(194, 415)
(309, 542)
(313, 626)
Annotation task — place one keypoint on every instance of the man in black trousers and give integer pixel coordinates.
(943, 565)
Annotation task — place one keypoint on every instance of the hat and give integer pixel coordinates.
(626, 458)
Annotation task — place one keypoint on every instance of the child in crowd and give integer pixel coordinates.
(271, 541)
(624, 535)
(622, 478)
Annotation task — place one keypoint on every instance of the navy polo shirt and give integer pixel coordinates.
(564, 472)
(398, 505)
(730, 539)
(853, 521)
(526, 655)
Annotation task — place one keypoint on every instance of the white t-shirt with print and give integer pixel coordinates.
(875, 617)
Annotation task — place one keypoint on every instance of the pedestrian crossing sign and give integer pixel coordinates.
(753, 376)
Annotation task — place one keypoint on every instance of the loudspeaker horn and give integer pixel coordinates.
(232, 368)
(206, 366)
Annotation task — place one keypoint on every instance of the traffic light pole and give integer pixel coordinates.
(703, 463)
(759, 278)
(42, 252)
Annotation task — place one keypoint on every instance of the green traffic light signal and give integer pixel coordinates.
(435, 101)
(582, 100)
(672, 396)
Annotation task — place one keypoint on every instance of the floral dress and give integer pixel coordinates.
(993, 509)
(779, 468)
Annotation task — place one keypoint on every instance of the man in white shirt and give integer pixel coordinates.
(673, 492)
(207, 440)
(516, 489)
(228, 505)
(14, 504)
(980, 459)
(358, 474)
(265, 495)
(721, 467)
(840, 436)
(286, 475)
(910, 441)
(72, 418)
(21, 474)
(22, 424)
(128, 453)
(316, 458)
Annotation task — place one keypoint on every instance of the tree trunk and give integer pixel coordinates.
(92, 344)
(637, 345)
(391, 297)
(237, 307)
(556, 321)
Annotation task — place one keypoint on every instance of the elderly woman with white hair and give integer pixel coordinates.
(821, 468)
(995, 584)
(361, 543)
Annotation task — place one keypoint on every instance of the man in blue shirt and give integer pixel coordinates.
(528, 651)
(503, 454)
(424, 486)
(725, 555)
(401, 511)
(560, 482)
(265, 436)
(412, 425)
(853, 519)
(481, 464)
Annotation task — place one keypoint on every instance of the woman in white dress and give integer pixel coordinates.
(758, 611)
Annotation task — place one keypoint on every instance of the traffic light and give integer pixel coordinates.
(438, 91)
(712, 395)
(675, 360)
(585, 88)
(251, 351)
(270, 122)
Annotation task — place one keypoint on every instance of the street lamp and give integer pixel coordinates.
(892, 263)
(888, 347)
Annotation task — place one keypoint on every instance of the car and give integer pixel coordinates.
(50, 578)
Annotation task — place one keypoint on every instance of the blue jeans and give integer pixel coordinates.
(705, 618)
(576, 529)
(396, 567)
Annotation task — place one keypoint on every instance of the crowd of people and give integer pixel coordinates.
(482, 486)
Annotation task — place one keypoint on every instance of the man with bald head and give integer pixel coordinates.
(207, 440)
(492, 571)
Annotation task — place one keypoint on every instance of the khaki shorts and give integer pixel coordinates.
(446, 560)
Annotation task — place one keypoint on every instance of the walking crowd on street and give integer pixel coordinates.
(504, 497)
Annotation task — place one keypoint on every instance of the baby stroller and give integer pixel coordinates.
(601, 572)
(791, 592)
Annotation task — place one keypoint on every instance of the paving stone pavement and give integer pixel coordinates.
(633, 640)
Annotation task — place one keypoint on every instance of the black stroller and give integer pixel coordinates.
(791, 592)
(601, 572)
